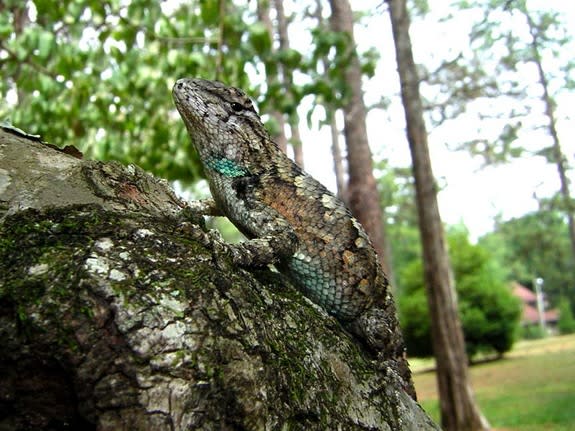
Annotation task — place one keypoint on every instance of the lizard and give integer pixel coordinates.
(290, 220)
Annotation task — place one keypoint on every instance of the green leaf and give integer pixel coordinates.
(260, 38)
(210, 11)
(6, 28)
(45, 44)
(21, 52)
(197, 58)
(290, 57)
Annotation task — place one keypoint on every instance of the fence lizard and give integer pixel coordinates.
(290, 219)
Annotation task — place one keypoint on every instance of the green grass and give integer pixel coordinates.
(532, 389)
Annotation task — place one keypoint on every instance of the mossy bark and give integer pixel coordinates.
(113, 316)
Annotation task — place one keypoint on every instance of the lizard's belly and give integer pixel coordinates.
(341, 293)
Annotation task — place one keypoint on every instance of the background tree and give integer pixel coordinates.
(546, 36)
(489, 311)
(277, 127)
(398, 200)
(458, 408)
(287, 83)
(363, 198)
(282, 96)
(566, 324)
(535, 245)
(511, 77)
(327, 99)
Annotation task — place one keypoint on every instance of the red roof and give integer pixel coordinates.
(529, 299)
(530, 314)
(523, 293)
(552, 315)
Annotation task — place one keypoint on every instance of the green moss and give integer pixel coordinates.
(245, 313)
(35, 256)
(43, 262)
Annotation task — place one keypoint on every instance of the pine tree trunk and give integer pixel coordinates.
(558, 156)
(279, 138)
(330, 110)
(363, 197)
(459, 411)
(337, 158)
(287, 82)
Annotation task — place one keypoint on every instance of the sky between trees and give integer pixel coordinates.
(472, 194)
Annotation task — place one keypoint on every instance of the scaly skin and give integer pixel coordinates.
(290, 219)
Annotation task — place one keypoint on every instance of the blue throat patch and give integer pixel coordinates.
(226, 167)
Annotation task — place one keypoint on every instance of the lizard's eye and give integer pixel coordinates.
(237, 106)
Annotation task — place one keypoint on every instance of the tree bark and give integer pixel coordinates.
(330, 111)
(558, 156)
(363, 197)
(337, 158)
(459, 411)
(263, 10)
(287, 82)
(119, 312)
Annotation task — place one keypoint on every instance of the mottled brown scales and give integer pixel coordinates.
(326, 233)
(290, 219)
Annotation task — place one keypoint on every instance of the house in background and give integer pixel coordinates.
(530, 315)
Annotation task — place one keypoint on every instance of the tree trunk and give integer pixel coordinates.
(330, 110)
(296, 142)
(363, 197)
(279, 138)
(337, 158)
(558, 156)
(287, 82)
(459, 411)
(118, 312)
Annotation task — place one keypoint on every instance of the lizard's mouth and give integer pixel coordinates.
(180, 93)
(184, 98)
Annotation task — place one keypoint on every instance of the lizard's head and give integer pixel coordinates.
(222, 122)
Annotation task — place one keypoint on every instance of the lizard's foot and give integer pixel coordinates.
(378, 329)
(375, 328)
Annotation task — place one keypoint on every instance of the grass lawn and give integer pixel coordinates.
(531, 389)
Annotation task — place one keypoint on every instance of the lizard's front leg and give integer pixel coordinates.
(204, 207)
(270, 237)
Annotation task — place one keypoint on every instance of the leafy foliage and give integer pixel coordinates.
(532, 332)
(536, 245)
(489, 312)
(99, 74)
(566, 324)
